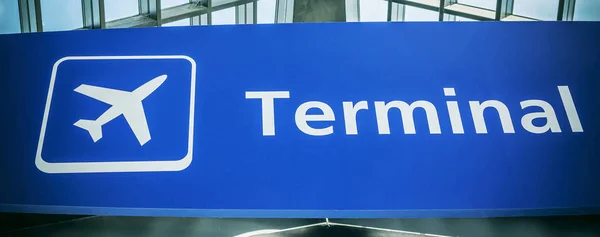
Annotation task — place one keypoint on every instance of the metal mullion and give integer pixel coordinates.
(25, 19)
(284, 12)
(87, 13)
(203, 19)
(255, 12)
(504, 8)
(193, 20)
(352, 10)
(152, 9)
(209, 13)
(30, 14)
(398, 11)
(241, 14)
(142, 6)
(401, 12)
(199, 20)
(389, 10)
(93, 14)
(358, 10)
(38, 15)
(238, 11)
(442, 11)
(156, 12)
(249, 13)
(566, 10)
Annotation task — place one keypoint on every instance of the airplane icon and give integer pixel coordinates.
(128, 104)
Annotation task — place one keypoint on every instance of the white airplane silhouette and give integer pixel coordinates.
(129, 104)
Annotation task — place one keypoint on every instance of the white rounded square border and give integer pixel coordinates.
(116, 166)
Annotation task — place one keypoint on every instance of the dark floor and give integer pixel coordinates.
(25, 225)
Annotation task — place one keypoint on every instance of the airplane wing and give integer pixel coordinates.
(136, 118)
(106, 95)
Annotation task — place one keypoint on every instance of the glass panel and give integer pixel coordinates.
(184, 22)
(266, 11)
(171, 3)
(459, 18)
(61, 15)
(224, 17)
(487, 4)
(419, 14)
(538, 9)
(373, 10)
(9, 17)
(117, 9)
(587, 10)
(221, 2)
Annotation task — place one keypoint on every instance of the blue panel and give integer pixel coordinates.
(232, 163)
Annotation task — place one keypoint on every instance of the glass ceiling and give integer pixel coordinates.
(59, 15)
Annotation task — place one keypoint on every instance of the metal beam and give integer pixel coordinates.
(198, 12)
(30, 14)
(457, 9)
(424, 4)
(470, 12)
(131, 22)
(504, 8)
(230, 4)
(566, 10)
(185, 11)
(93, 14)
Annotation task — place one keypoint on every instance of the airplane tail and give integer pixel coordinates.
(92, 127)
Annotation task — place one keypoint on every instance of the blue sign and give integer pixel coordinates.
(307, 120)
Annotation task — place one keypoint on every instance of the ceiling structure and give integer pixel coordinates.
(21, 16)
